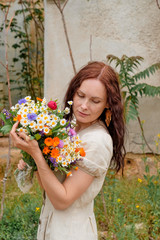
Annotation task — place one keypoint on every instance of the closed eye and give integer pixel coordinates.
(80, 95)
(95, 101)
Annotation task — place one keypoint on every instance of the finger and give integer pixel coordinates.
(21, 165)
(14, 127)
(13, 131)
(22, 135)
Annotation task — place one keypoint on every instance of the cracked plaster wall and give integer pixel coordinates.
(117, 27)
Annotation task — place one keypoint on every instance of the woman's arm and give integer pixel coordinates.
(61, 195)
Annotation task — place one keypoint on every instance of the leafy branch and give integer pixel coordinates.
(131, 89)
(5, 30)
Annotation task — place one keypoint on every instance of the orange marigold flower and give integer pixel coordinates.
(55, 153)
(76, 168)
(69, 174)
(56, 141)
(19, 118)
(77, 150)
(82, 152)
(39, 99)
(48, 141)
(46, 150)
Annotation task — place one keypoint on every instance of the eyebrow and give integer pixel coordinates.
(94, 97)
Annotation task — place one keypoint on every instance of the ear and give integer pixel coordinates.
(107, 105)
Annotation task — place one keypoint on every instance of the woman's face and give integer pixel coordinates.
(89, 102)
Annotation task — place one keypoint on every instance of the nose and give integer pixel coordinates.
(84, 105)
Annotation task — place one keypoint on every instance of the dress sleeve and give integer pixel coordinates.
(99, 150)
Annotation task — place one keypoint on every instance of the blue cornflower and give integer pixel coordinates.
(32, 116)
(23, 100)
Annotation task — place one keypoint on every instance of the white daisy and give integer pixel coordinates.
(43, 108)
(63, 122)
(64, 163)
(53, 123)
(70, 102)
(32, 124)
(28, 98)
(66, 110)
(46, 130)
(24, 122)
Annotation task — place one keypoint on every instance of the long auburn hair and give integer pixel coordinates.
(105, 74)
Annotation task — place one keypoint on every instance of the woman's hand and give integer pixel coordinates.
(21, 165)
(23, 142)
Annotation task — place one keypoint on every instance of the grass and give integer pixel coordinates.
(133, 209)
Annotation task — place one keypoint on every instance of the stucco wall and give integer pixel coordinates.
(117, 27)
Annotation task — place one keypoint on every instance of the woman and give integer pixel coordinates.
(67, 212)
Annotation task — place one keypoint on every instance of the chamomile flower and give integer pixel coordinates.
(13, 108)
(40, 127)
(46, 118)
(20, 129)
(46, 130)
(17, 106)
(59, 111)
(56, 118)
(70, 102)
(53, 123)
(25, 110)
(40, 121)
(44, 101)
(43, 108)
(63, 122)
(24, 115)
(66, 110)
(28, 98)
(24, 122)
(64, 164)
(32, 124)
(68, 159)
(59, 159)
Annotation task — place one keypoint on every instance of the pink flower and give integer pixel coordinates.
(72, 132)
(52, 105)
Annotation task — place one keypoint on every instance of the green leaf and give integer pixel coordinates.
(37, 136)
(147, 169)
(6, 129)
(2, 116)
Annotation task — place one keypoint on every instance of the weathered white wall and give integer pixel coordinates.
(117, 27)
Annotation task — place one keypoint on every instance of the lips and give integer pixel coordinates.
(83, 114)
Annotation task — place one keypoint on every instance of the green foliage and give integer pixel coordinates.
(21, 212)
(129, 82)
(133, 207)
(27, 66)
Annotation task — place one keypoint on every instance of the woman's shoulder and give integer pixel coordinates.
(96, 133)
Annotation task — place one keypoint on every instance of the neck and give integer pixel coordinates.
(80, 126)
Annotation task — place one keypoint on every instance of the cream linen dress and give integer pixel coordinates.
(77, 222)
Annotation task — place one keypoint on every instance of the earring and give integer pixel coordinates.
(108, 114)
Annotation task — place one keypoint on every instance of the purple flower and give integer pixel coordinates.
(6, 113)
(23, 100)
(53, 160)
(42, 133)
(72, 132)
(61, 144)
(32, 116)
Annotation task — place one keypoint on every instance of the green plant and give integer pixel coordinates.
(28, 63)
(131, 89)
(129, 82)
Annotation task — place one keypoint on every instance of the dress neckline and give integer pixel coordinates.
(92, 125)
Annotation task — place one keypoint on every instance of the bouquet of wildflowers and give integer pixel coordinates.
(45, 122)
